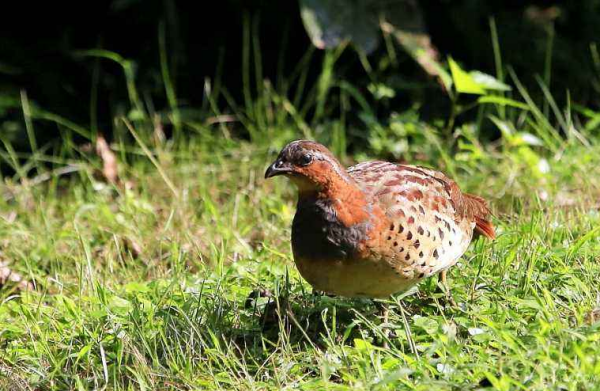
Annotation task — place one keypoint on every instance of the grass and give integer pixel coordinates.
(179, 276)
(141, 288)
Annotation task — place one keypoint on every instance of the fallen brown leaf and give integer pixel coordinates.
(593, 316)
(132, 246)
(8, 277)
(109, 160)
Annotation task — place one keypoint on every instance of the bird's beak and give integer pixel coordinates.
(278, 168)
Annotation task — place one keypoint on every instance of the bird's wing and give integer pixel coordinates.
(390, 184)
(431, 220)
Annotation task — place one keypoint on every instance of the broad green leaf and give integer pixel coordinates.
(463, 82)
(489, 82)
(119, 305)
(137, 287)
(362, 345)
(428, 324)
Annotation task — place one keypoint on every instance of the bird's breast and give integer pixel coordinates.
(317, 233)
(342, 259)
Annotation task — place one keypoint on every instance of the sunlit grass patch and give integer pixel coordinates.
(137, 287)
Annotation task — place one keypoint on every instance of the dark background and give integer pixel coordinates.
(38, 42)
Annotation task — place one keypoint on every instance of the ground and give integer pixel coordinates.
(180, 276)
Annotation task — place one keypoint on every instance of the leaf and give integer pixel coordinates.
(119, 306)
(362, 345)
(330, 23)
(530, 139)
(8, 277)
(136, 287)
(543, 166)
(489, 82)
(445, 369)
(498, 100)
(405, 22)
(133, 246)
(475, 330)
(381, 91)
(109, 160)
(100, 53)
(85, 350)
(581, 241)
(428, 324)
(391, 363)
(464, 82)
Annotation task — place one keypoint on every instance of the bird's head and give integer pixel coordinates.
(310, 166)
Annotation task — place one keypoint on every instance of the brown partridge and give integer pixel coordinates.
(376, 228)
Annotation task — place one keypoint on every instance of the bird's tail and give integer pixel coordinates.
(478, 208)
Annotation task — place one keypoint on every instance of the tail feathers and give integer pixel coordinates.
(485, 228)
(478, 209)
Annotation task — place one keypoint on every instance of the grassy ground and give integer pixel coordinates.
(180, 277)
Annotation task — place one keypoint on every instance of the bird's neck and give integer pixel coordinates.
(346, 199)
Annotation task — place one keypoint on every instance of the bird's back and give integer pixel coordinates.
(431, 221)
(391, 184)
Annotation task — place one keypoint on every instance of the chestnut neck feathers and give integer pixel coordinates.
(326, 180)
(332, 217)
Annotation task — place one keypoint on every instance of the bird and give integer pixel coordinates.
(377, 228)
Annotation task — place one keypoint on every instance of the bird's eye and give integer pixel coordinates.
(305, 160)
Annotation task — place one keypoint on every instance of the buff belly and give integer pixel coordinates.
(354, 278)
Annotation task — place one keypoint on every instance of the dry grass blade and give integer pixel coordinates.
(152, 159)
